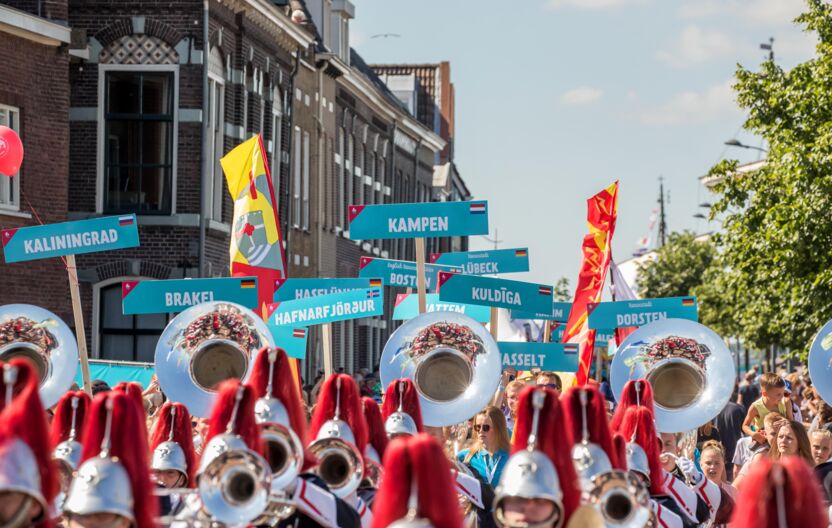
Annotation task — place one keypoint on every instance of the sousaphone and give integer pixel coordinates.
(689, 366)
(204, 346)
(44, 339)
(452, 360)
(820, 362)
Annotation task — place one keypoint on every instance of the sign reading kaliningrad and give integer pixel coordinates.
(416, 220)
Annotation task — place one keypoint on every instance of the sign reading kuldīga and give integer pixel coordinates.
(161, 296)
(502, 293)
(489, 262)
(418, 220)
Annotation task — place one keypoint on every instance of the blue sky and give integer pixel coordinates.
(556, 99)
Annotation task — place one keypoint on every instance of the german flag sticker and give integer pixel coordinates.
(375, 283)
(521, 253)
(689, 301)
(248, 283)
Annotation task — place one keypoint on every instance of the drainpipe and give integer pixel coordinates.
(321, 221)
(203, 220)
(290, 112)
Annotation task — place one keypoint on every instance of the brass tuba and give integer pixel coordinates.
(44, 339)
(452, 360)
(689, 367)
(204, 346)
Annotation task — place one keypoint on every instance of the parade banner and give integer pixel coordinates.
(407, 307)
(500, 293)
(293, 289)
(70, 238)
(561, 357)
(640, 312)
(161, 296)
(400, 272)
(418, 220)
(292, 339)
(560, 313)
(353, 304)
(485, 262)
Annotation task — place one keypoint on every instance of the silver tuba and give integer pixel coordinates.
(340, 464)
(233, 481)
(204, 346)
(689, 367)
(820, 362)
(45, 340)
(452, 360)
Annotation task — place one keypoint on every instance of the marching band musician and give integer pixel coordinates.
(173, 460)
(66, 436)
(401, 411)
(374, 452)
(28, 482)
(417, 490)
(279, 404)
(584, 410)
(112, 486)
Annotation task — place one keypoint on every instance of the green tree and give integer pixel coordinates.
(775, 249)
(678, 268)
(561, 291)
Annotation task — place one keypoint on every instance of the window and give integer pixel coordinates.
(216, 122)
(139, 128)
(126, 337)
(358, 183)
(297, 167)
(369, 197)
(305, 189)
(348, 178)
(10, 187)
(277, 138)
(339, 177)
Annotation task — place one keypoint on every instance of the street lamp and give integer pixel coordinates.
(736, 143)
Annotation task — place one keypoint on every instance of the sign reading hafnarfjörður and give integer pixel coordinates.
(417, 220)
(401, 272)
(490, 262)
(70, 238)
(501, 293)
(640, 312)
(351, 304)
(169, 296)
(293, 289)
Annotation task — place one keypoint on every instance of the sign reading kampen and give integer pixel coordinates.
(417, 220)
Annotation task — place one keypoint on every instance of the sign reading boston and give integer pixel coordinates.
(70, 238)
(415, 220)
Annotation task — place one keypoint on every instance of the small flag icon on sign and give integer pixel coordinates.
(570, 348)
(545, 290)
(477, 208)
(248, 283)
(125, 220)
(372, 293)
(375, 283)
(521, 253)
(689, 301)
(299, 333)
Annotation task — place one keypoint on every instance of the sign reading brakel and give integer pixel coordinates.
(70, 238)
(640, 312)
(562, 357)
(501, 293)
(160, 296)
(416, 220)
(486, 262)
(352, 304)
(407, 307)
(293, 289)
(560, 313)
(400, 272)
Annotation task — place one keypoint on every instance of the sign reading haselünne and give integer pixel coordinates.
(415, 220)
(161, 296)
(474, 289)
(70, 238)
(352, 304)
(292, 289)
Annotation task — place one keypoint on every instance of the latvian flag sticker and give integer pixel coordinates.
(300, 333)
(545, 290)
(477, 208)
(125, 220)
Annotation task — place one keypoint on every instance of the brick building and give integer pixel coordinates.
(154, 94)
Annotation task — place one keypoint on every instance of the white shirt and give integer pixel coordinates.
(742, 453)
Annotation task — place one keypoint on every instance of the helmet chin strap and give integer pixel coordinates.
(74, 402)
(108, 428)
(272, 360)
(20, 519)
(538, 399)
(401, 395)
(238, 397)
(337, 399)
(172, 423)
(9, 379)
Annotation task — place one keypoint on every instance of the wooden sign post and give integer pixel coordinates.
(326, 341)
(420, 274)
(78, 313)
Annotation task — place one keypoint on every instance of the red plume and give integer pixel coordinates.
(134, 391)
(619, 444)
(375, 427)
(182, 434)
(596, 418)
(245, 426)
(552, 439)
(635, 392)
(639, 421)
(283, 387)
(410, 401)
(25, 419)
(62, 420)
(351, 411)
(420, 457)
(803, 503)
(128, 446)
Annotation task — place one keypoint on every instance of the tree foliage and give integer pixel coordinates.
(560, 291)
(775, 249)
(678, 268)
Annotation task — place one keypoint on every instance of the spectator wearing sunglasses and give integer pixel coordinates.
(489, 455)
(550, 380)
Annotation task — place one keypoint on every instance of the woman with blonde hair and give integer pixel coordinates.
(712, 461)
(489, 454)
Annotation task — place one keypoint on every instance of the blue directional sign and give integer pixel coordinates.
(414, 220)
(561, 357)
(640, 312)
(560, 313)
(70, 238)
(486, 262)
(401, 272)
(407, 307)
(292, 339)
(474, 289)
(292, 289)
(352, 304)
(160, 296)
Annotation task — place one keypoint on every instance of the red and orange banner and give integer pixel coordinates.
(602, 210)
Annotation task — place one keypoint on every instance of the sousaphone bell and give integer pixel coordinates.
(44, 339)
(204, 346)
(820, 362)
(688, 365)
(452, 360)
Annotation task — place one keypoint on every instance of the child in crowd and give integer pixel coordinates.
(772, 400)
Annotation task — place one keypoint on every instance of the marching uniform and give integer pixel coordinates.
(66, 435)
(374, 452)
(172, 449)
(401, 411)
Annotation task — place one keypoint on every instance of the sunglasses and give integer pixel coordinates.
(482, 427)
(550, 386)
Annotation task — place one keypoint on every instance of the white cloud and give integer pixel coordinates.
(692, 107)
(581, 95)
(696, 46)
(769, 12)
(588, 4)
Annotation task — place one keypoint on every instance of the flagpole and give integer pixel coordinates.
(77, 312)
(547, 331)
(494, 322)
(420, 273)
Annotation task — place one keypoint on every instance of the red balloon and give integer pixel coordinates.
(11, 151)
